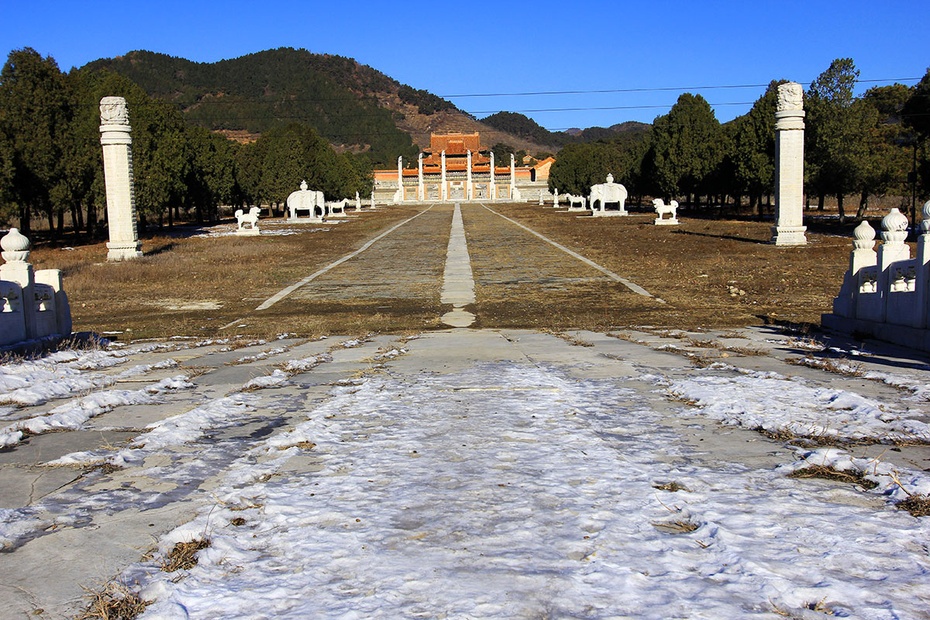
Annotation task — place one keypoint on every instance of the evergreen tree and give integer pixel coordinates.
(916, 116)
(751, 152)
(579, 166)
(832, 139)
(881, 162)
(686, 147)
(33, 113)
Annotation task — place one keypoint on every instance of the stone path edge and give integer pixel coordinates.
(293, 287)
(610, 274)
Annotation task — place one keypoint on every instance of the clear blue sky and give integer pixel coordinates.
(495, 48)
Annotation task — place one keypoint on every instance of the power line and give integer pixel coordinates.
(657, 89)
(619, 107)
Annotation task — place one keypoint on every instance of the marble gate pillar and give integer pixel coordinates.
(789, 167)
(421, 193)
(117, 171)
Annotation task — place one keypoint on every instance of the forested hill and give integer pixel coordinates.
(352, 105)
(525, 127)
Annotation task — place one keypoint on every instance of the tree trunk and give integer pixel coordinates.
(92, 221)
(863, 205)
(820, 201)
(25, 221)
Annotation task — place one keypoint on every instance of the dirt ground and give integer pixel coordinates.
(710, 273)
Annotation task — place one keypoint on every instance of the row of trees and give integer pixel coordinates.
(865, 146)
(50, 154)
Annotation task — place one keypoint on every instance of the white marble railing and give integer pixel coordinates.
(33, 304)
(886, 291)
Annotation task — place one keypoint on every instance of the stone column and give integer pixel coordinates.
(492, 188)
(400, 177)
(513, 176)
(789, 167)
(469, 193)
(117, 171)
(443, 190)
(421, 191)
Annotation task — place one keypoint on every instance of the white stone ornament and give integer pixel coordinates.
(15, 247)
(790, 97)
(114, 111)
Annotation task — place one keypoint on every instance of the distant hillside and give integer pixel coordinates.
(354, 106)
(526, 128)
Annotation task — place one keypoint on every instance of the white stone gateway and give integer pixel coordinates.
(117, 171)
(608, 193)
(33, 304)
(306, 200)
(662, 209)
(789, 167)
(250, 219)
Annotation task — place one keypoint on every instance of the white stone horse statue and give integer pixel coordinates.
(577, 200)
(671, 209)
(337, 208)
(250, 218)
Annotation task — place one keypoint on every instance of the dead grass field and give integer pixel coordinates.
(712, 273)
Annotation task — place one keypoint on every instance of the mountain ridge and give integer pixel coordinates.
(354, 106)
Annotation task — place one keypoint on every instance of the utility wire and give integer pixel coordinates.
(649, 90)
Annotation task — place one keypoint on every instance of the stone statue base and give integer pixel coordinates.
(665, 221)
(123, 251)
(789, 235)
(248, 232)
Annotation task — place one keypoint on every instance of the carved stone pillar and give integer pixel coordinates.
(513, 176)
(789, 167)
(469, 193)
(421, 191)
(117, 170)
(492, 188)
(443, 189)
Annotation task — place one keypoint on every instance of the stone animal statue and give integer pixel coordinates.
(306, 200)
(337, 208)
(662, 209)
(577, 200)
(250, 218)
(603, 194)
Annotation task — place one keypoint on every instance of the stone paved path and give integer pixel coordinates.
(81, 527)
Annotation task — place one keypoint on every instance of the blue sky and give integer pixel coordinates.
(645, 53)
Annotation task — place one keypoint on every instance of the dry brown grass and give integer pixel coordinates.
(836, 366)
(917, 505)
(184, 555)
(824, 472)
(115, 602)
(676, 526)
(672, 487)
(194, 286)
